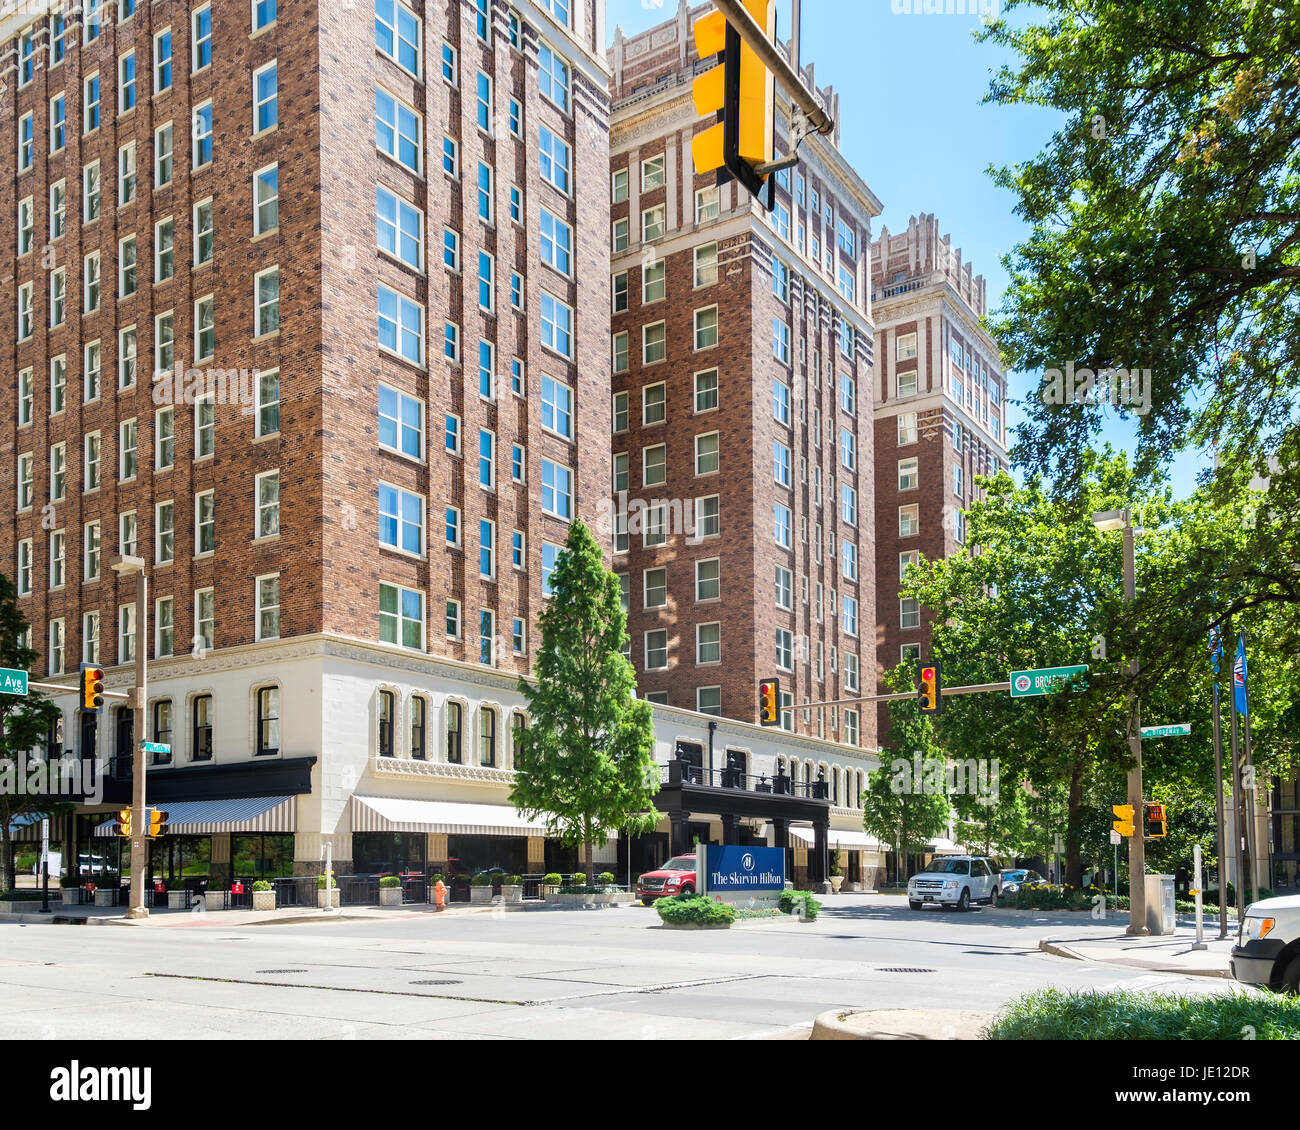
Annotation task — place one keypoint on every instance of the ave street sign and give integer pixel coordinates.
(12, 681)
(1046, 680)
(1177, 730)
(155, 747)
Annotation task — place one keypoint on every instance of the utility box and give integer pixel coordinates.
(1160, 903)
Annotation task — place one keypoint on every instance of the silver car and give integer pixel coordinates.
(1013, 878)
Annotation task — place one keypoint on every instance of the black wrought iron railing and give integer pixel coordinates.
(684, 773)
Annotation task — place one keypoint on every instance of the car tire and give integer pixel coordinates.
(1291, 978)
(914, 904)
(687, 889)
(993, 898)
(647, 902)
(963, 903)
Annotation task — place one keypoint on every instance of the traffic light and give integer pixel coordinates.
(157, 823)
(92, 688)
(1124, 819)
(124, 823)
(769, 702)
(930, 696)
(741, 93)
(1156, 825)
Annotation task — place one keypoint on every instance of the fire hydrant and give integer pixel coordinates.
(439, 895)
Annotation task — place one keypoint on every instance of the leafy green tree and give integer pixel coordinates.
(24, 724)
(585, 765)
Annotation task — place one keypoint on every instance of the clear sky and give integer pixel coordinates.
(914, 126)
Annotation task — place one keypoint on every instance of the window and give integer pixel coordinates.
(706, 390)
(706, 454)
(26, 225)
(268, 607)
(706, 328)
(205, 339)
(557, 326)
(266, 98)
(268, 721)
(784, 588)
(553, 158)
(557, 490)
(619, 193)
(518, 557)
(957, 437)
(781, 220)
(267, 313)
(58, 472)
(450, 157)
(656, 650)
(850, 615)
(780, 341)
(781, 463)
(26, 142)
(487, 549)
(909, 613)
(126, 173)
(419, 710)
(266, 201)
(784, 649)
(398, 35)
(620, 412)
(906, 428)
(58, 210)
(653, 223)
(164, 634)
(204, 426)
(204, 618)
(202, 135)
(652, 404)
(486, 283)
(908, 474)
(452, 442)
(557, 407)
(126, 267)
(58, 297)
(126, 528)
(387, 705)
(959, 526)
(655, 587)
(397, 130)
(782, 525)
(848, 449)
(56, 646)
(652, 173)
(483, 102)
(205, 523)
(400, 228)
(708, 643)
(401, 616)
(58, 558)
(202, 733)
(26, 396)
(401, 423)
(620, 235)
(654, 343)
(126, 447)
(401, 519)
(401, 326)
(162, 61)
(90, 637)
(557, 242)
(451, 249)
(26, 464)
(909, 521)
(90, 201)
(516, 126)
(484, 192)
(957, 480)
(164, 533)
(90, 372)
(58, 123)
(162, 158)
(24, 579)
(619, 290)
(201, 38)
(126, 82)
(26, 308)
(267, 523)
(707, 205)
(558, 8)
(706, 264)
(653, 281)
(653, 465)
(486, 459)
(620, 351)
(164, 438)
(707, 583)
(449, 64)
(452, 522)
(126, 633)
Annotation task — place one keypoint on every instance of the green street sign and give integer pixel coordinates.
(155, 747)
(1177, 730)
(12, 681)
(1046, 680)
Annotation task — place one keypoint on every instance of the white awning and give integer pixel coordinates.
(854, 841)
(400, 814)
(209, 817)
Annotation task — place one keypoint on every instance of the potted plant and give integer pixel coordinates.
(214, 896)
(837, 876)
(263, 895)
(551, 884)
(178, 898)
(512, 890)
(607, 879)
(322, 894)
(390, 891)
(480, 889)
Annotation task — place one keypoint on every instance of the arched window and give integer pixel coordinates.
(487, 736)
(203, 727)
(268, 721)
(162, 729)
(835, 785)
(518, 724)
(386, 704)
(418, 708)
(454, 720)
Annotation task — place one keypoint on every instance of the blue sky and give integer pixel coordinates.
(914, 126)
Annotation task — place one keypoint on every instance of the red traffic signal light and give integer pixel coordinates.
(930, 696)
(769, 702)
(92, 688)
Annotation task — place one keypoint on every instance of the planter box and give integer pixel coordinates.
(332, 893)
(480, 896)
(25, 906)
(214, 900)
(264, 900)
(104, 898)
(512, 896)
(178, 900)
(390, 896)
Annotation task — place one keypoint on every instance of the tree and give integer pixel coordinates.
(586, 764)
(25, 722)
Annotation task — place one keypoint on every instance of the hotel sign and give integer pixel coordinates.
(743, 869)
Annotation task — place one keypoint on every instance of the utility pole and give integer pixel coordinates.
(1137, 863)
(139, 813)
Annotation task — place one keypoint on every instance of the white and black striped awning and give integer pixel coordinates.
(210, 817)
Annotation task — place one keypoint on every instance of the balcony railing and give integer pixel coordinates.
(684, 773)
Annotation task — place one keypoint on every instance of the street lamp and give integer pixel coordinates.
(1107, 522)
(124, 567)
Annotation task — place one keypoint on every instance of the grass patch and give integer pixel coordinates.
(1052, 1014)
(694, 910)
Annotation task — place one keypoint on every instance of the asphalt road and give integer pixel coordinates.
(612, 974)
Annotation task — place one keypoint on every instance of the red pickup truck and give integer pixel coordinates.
(676, 877)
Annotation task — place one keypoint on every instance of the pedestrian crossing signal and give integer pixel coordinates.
(1156, 822)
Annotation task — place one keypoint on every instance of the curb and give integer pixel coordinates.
(1060, 950)
(900, 1024)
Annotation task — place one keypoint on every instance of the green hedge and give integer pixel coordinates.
(481, 881)
(552, 879)
(1051, 1014)
(811, 905)
(390, 881)
(694, 910)
(261, 885)
(26, 895)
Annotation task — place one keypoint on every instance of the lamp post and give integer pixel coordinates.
(124, 567)
(1107, 521)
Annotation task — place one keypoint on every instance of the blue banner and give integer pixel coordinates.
(742, 869)
(1240, 698)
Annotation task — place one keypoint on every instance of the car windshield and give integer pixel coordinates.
(1015, 876)
(681, 863)
(949, 866)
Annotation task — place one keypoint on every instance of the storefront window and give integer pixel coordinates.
(262, 856)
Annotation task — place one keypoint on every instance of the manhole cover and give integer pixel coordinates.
(282, 971)
(437, 982)
(903, 969)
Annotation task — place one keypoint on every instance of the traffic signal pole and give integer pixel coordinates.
(139, 815)
(1137, 860)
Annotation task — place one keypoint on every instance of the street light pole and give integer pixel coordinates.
(139, 813)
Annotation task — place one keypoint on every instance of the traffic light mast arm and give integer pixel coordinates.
(977, 688)
(787, 78)
(62, 689)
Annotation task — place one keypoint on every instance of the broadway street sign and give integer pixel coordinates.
(1177, 730)
(1047, 680)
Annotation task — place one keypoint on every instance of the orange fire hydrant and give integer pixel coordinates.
(439, 895)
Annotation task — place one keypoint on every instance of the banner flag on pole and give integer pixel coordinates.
(1239, 676)
(1216, 649)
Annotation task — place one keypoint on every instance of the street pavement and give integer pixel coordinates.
(496, 974)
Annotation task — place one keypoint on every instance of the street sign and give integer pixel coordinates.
(1115, 837)
(1177, 730)
(12, 681)
(155, 747)
(1046, 680)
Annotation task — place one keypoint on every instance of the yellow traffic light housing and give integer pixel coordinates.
(157, 823)
(124, 823)
(769, 702)
(92, 688)
(930, 696)
(709, 94)
(1156, 822)
(1124, 819)
(757, 108)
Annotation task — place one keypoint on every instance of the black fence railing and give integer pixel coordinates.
(685, 773)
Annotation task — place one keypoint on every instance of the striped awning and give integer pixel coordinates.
(25, 828)
(400, 814)
(209, 817)
(854, 841)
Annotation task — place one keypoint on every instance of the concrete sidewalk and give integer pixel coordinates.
(185, 919)
(1169, 953)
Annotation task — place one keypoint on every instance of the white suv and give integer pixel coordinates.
(955, 880)
(1268, 945)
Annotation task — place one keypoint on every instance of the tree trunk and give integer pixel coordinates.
(7, 854)
(586, 857)
(1073, 812)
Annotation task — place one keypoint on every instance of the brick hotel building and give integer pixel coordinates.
(370, 230)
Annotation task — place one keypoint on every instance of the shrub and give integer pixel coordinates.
(320, 881)
(811, 905)
(261, 885)
(25, 895)
(462, 877)
(605, 878)
(512, 881)
(552, 879)
(436, 877)
(694, 910)
(390, 881)
(835, 862)
(578, 877)
(483, 880)
(580, 889)
(1052, 1014)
